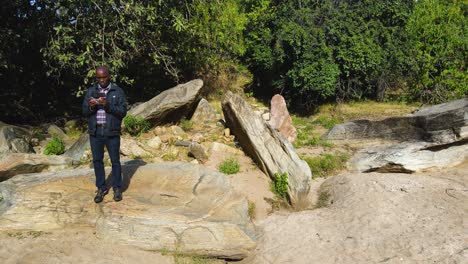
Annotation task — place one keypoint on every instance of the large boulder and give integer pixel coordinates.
(14, 139)
(167, 206)
(19, 163)
(441, 123)
(271, 152)
(374, 218)
(170, 105)
(280, 118)
(409, 157)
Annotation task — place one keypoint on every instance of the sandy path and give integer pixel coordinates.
(70, 246)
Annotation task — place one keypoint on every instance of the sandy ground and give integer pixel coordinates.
(78, 245)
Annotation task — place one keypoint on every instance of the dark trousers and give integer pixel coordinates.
(112, 144)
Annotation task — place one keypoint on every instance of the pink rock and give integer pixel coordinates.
(280, 118)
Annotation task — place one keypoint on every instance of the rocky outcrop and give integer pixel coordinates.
(280, 119)
(271, 152)
(409, 157)
(14, 139)
(19, 163)
(441, 123)
(374, 218)
(167, 206)
(170, 105)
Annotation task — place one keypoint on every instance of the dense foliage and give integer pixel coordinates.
(309, 51)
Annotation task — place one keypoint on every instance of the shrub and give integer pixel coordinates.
(55, 146)
(186, 124)
(136, 125)
(229, 166)
(280, 185)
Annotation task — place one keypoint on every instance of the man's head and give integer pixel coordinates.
(103, 76)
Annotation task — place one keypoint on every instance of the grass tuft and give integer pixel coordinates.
(324, 165)
(229, 166)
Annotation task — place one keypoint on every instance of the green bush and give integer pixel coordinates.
(186, 124)
(229, 166)
(55, 146)
(280, 185)
(324, 165)
(136, 125)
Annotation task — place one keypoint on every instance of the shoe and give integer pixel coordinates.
(100, 193)
(117, 194)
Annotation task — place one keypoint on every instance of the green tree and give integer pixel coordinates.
(313, 51)
(438, 56)
(91, 33)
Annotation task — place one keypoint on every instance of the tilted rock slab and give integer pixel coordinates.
(171, 104)
(280, 118)
(168, 206)
(409, 157)
(272, 153)
(76, 151)
(204, 114)
(441, 123)
(20, 163)
(14, 139)
(374, 218)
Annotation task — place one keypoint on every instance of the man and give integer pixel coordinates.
(105, 106)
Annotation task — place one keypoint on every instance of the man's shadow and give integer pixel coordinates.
(128, 170)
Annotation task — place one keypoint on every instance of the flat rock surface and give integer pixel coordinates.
(376, 218)
(170, 206)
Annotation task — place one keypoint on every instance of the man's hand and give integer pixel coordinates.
(92, 102)
(103, 101)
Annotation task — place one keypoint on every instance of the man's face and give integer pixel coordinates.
(102, 77)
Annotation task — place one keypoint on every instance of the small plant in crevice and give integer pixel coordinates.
(229, 166)
(55, 146)
(184, 258)
(186, 124)
(136, 126)
(323, 199)
(280, 185)
(251, 209)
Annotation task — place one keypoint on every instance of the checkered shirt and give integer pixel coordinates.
(101, 113)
